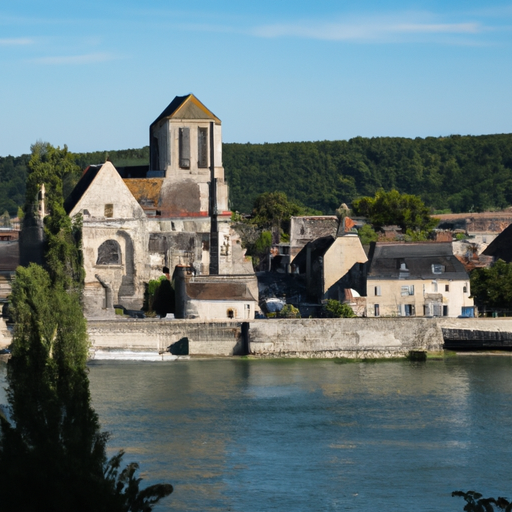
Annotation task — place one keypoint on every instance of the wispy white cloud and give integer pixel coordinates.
(366, 30)
(91, 58)
(16, 41)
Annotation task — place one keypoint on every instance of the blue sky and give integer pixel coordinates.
(94, 74)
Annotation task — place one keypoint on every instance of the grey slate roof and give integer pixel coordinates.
(418, 258)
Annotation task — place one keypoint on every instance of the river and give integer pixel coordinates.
(312, 435)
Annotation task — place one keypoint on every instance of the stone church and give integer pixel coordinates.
(174, 213)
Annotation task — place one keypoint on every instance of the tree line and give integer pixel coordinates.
(456, 173)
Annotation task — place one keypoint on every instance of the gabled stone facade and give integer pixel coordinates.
(176, 215)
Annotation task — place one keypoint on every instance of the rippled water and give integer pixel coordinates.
(306, 435)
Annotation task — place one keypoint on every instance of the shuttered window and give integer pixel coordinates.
(185, 148)
(202, 147)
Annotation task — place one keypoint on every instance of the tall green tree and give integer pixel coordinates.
(492, 286)
(52, 449)
(273, 209)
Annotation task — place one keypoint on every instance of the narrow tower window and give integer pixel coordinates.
(185, 148)
(202, 147)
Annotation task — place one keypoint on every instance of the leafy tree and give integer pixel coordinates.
(49, 166)
(52, 450)
(5, 220)
(493, 286)
(387, 208)
(336, 309)
(273, 209)
(367, 234)
(263, 243)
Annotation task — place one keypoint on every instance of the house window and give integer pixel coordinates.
(184, 144)
(437, 269)
(406, 310)
(109, 211)
(230, 313)
(202, 147)
(377, 291)
(407, 290)
(376, 310)
(434, 286)
(465, 289)
(247, 311)
(109, 253)
(446, 287)
(445, 310)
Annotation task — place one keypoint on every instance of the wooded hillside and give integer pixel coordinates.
(459, 173)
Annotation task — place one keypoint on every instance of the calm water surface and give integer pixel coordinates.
(312, 435)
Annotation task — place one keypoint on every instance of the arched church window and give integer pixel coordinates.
(109, 253)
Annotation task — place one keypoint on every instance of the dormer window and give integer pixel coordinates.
(437, 269)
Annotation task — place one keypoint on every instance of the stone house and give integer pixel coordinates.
(416, 279)
(214, 297)
(332, 265)
(172, 213)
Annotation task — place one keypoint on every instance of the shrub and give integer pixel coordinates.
(289, 311)
(335, 309)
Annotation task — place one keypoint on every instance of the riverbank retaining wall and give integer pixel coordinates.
(203, 338)
(344, 337)
(315, 338)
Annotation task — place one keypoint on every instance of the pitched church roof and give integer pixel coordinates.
(83, 184)
(186, 107)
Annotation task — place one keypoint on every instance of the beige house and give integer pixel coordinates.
(417, 279)
(211, 298)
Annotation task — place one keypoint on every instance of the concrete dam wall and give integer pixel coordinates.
(312, 338)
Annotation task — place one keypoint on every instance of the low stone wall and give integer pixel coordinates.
(204, 338)
(308, 337)
(344, 337)
(349, 337)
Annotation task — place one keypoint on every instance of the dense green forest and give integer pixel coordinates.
(457, 173)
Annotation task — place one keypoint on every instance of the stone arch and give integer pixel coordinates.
(109, 253)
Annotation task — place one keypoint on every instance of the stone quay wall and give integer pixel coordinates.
(146, 335)
(308, 338)
(344, 337)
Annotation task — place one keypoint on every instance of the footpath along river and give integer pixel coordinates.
(311, 435)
